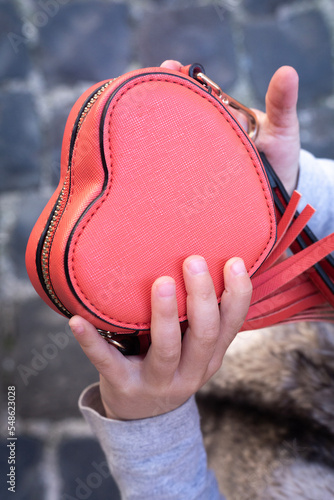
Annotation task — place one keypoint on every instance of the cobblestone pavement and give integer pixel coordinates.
(50, 51)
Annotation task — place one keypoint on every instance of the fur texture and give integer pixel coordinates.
(268, 415)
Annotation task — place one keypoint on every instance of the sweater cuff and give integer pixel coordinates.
(158, 457)
(147, 430)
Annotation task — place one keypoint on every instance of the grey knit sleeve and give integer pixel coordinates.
(316, 184)
(161, 457)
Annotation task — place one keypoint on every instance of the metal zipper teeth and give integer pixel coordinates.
(92, 102)
(61, 202)
(48, 241)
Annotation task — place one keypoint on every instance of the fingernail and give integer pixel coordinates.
(238, 268)
(197, 265)
(166, 289)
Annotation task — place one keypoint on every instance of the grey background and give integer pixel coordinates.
(50, 52)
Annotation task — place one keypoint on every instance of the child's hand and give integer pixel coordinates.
(138, 387)
(278, 137)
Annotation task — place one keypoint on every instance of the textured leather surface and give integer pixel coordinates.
(175, 189)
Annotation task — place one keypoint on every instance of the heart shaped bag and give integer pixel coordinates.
(154, 168)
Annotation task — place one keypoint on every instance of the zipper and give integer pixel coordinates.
(91, 102)
(59, 208)
(46, 249)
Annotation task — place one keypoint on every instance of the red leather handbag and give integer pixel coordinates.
(155, 168)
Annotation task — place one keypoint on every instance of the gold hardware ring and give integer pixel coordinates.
(252, 121)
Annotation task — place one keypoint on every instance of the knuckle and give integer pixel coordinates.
(169, 355)
(206, 294)
(207, 346)
(210, 334)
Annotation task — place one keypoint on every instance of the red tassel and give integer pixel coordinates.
(289, 290)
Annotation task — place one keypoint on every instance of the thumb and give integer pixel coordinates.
(279, 127)
(106, 359)
(281, 101)
(171, 64)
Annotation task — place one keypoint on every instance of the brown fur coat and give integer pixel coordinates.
(268, 415)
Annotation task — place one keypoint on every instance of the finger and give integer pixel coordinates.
(279, 128)
(164, 353)
(281, 100)
(170, 64)
(234, 304)
(106, 358)
(203, 317)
